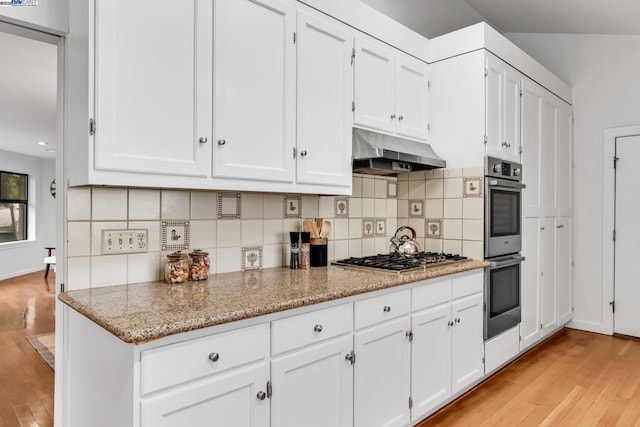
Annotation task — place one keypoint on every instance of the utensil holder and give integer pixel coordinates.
(318, 252)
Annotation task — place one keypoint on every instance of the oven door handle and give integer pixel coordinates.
(506, 262)
(502, 183)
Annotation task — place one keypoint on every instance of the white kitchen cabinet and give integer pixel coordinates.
(467, 344)
(564, 158)
(530, 331)
(548, 181)
(564, 269)
(314, 386)
(254, 90)
(391, 91)
(502, 109)
(153, 87)
(382, 374)
(548, 283)
(324, 94)
(235, 399)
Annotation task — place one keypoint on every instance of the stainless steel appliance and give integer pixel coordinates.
(502, 294)
(400, 263)
(503, 207)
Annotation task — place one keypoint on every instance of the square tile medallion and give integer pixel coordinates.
(472, 187)
(293, 206)
(368, 227)
(433, 229)
(416, 208)
(381, 227)
(341, 208)
(392, 189)
(175, 235)
(252, 258)
(229, 205)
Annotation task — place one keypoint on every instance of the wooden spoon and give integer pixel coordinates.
(326, 229)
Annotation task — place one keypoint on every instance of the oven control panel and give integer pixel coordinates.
(499, 168)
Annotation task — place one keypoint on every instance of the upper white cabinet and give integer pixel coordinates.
(254, 90)
(502, 110)
(391, 90)
(325, 93)
(153, 87)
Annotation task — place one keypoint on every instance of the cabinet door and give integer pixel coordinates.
(382, 374)
(412, 98)
(375, 86)
(564, 278)
(230, 399)
(430, 359)
(511, 143)
(467, 342)
(548, 285)
(254, 90)
(548, 182)
(530, 331)
(314, 387)
(153, 87)
(325, 92)
(532, 95)
(494, 104)
(564, 158)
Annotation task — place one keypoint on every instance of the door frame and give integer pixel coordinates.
(609, 221)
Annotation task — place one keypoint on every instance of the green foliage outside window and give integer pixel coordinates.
(13, 206)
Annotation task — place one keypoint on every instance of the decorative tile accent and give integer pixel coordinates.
(368, 227)
(472, 187)
(341, 208)
(381, 227)
(293, 206)
(416, 208)
(175, 235)
(392, 190)
(252, 258)
(433, 229)
(229, 205)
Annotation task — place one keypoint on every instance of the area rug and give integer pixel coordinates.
(45, 344)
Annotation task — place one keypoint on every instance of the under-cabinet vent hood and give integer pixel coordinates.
(379, 154)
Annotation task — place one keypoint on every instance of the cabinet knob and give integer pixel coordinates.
(203, 140)
(261, 395)
(317, 328)
(214, 357)
(457, 320)
(222, 142)
(386, 309)
(541, 228)
(449, 323)
(393, 116)
(401, 117)
(303, 153)
(505, 144)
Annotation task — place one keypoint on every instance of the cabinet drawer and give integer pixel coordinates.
(430, 294)
(468, 285)
(375, 310)
(177, 363)
(309, 328)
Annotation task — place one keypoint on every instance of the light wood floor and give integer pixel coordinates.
(575, 379)
(26, 381)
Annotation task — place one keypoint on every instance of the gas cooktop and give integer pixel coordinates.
(399, 263)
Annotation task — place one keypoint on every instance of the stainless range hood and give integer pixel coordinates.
(379, 154)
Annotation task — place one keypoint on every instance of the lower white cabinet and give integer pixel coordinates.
(237, 398)
(313, 387)
(467, 344)
(382, 374)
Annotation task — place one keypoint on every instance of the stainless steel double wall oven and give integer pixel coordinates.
(502, 245)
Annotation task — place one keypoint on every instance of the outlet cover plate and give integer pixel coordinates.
(124, 241)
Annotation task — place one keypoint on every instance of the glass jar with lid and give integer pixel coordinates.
(200, 265)
(176, 270)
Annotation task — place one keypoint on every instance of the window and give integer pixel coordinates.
(13, 206)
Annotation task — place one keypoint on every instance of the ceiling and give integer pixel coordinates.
(28, 78)
(561, 16)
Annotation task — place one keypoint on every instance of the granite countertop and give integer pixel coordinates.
(147, 311)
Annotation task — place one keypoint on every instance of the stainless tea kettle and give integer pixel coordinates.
(403, 244)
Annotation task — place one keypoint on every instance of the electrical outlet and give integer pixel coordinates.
(124, 241)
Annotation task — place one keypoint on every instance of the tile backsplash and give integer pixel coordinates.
(249, 230)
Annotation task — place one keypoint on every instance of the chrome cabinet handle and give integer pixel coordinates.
(393, 116)
(386, 309)
(506, 144)
(303, 153)
(214, 357)
(203, 140)
(222, 142)
(541, 228)
(317, 328)
(261, 395)
(401, 117)
(457, 320)
(449, 323)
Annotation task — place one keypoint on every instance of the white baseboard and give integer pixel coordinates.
(20, 273)
(588, 327)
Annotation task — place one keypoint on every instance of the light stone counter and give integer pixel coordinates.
(147, 311)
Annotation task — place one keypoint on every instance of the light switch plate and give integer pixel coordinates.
(124, 241)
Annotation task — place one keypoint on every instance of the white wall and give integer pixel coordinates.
(25, 257)
(604, 72)
(48, 15)
(431, 18)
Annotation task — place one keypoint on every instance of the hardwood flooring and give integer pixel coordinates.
(575, 379)
(27, 305)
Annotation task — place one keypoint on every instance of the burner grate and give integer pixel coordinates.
(395, 262)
